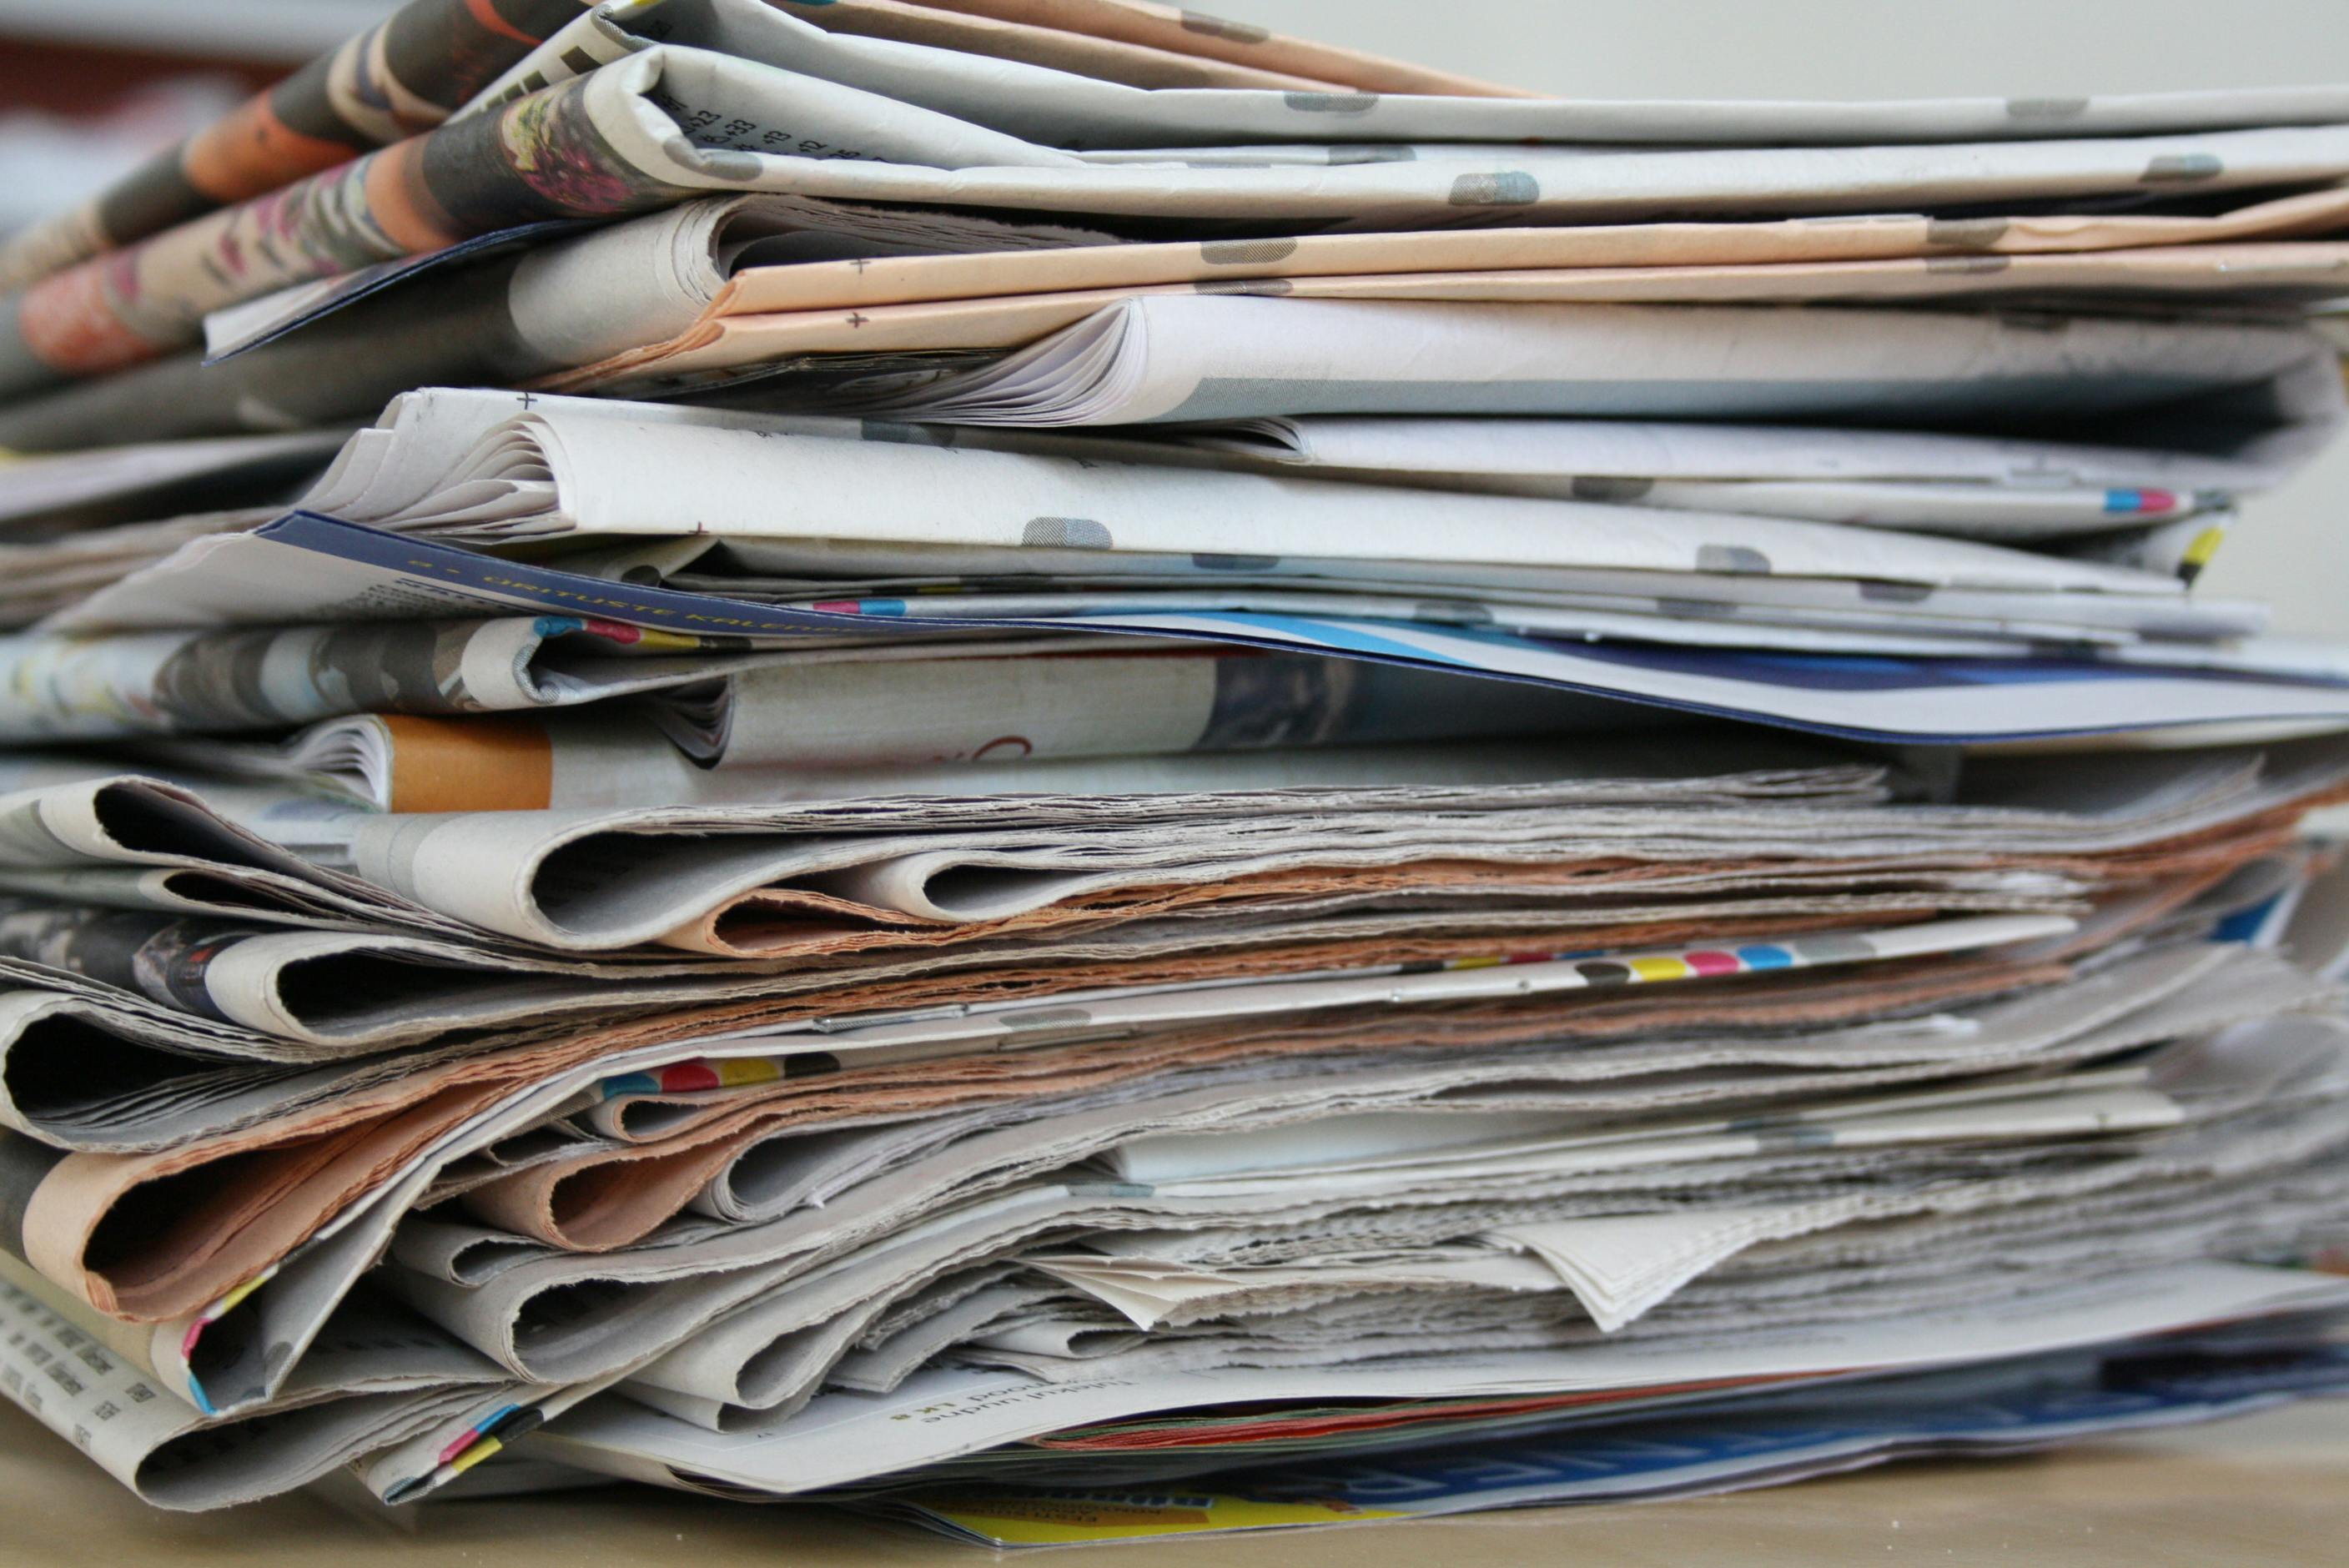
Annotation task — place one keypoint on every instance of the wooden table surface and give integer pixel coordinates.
(2271, 1489)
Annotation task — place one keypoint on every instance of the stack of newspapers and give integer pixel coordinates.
(1063, 769)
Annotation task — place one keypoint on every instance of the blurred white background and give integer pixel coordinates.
(287, 30)
(2291, 549)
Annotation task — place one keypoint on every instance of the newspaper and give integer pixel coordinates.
(69, 1186)
(1316, 1090)
(2252, 274)
(197, 1006)
(572, 299)
(1017, 29)
(67, 688)
(599, 761)
(1495, 1324)
(623, 120)
(1210, 758)
(582, 47)
(723, 267)
(44, 1209)
(1067, 109)
(553, 471)
(850, 1438)
(2188, 819)
(1807, 616)
(188, 1081)
(1521, 982)
(1191, 357)
(758, 288)
(131, 484)
(1148, 1450)
(249, 994)
(387, 1380)
(2023, 493)
(1981, 601)
(1985, 487)
(303, 569)
(730, 1181)
(401, 75)
(39, 579)
(535, 474)
(564, 466)
(512, 873)
(2014, 489)
(1667, 1454)
(963, 597)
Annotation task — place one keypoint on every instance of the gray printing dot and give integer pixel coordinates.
(2046, 107)
(1609, 487)
(1967, 264)
(1217, 27)
(904, 434)
(1244, 253)
(1045, 1018)
(1731, 558)
(1065, 533)
(1244, 286)
(1965, 233)
(2183, 166)
(1512, 189)
(1372, 153)
(1696, 609)
(1235, 563)
(1330, 103)
(1111, 1188)
(1894, 593)
(1834, 948)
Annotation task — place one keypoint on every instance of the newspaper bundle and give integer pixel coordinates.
(1067, 771)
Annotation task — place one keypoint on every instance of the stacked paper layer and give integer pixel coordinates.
(962, 755)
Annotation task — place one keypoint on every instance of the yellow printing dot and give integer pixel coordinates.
(474, 1455)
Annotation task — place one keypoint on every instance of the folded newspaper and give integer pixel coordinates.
(1073, 773)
